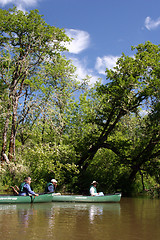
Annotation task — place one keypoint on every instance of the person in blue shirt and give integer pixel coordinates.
(25, 189)
(51, 186)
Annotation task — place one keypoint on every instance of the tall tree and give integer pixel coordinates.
(26, 43)
(133, 83)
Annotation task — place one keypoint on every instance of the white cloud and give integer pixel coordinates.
(82, 71)
(80, 42)
(151, 24)
(20, 4)
(105, 62)
(4, 2)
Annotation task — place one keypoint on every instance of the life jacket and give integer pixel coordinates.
(47, 185)
(21, 188)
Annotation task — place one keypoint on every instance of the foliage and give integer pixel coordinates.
(46, 162)
(56, 127)
(27, 44)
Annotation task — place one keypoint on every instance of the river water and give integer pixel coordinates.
(131, 219)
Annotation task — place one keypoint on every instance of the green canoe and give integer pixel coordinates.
(25, 199)
(88, 199)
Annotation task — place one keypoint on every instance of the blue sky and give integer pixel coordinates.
(101, 29)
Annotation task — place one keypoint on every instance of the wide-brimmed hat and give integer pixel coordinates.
(94, 182)
(54, 180)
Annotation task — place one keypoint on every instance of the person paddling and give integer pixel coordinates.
(25, 189)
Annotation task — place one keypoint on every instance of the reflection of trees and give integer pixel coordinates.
(54, 220)
(131, 219)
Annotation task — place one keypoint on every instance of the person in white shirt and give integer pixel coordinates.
(93, 190)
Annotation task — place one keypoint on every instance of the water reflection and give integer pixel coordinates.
(130, 219)
(27, 213)
(94, 211)
(97, 210)
(7, 208)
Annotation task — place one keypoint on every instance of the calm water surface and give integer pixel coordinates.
(131, 219)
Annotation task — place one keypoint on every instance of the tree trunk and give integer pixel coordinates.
(108, 128)
(4, 139)
(11, 153)
(145, 155)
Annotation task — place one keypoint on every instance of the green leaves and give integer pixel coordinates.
(100, 133)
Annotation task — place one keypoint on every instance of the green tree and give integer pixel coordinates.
(132, 84)
(27, 42)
